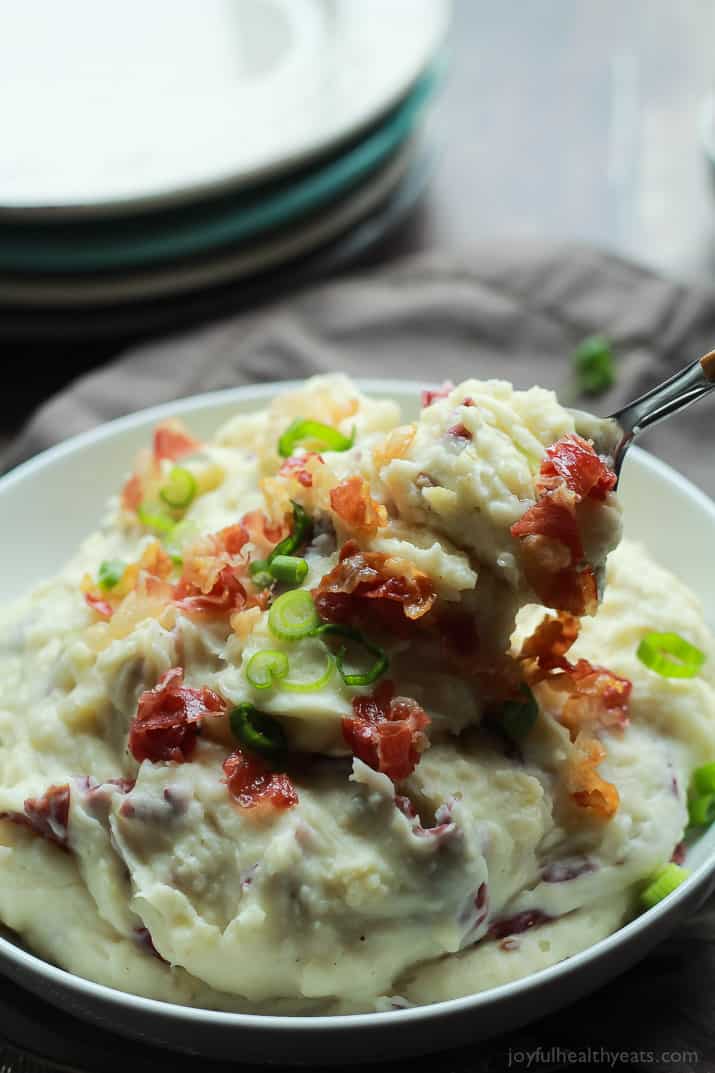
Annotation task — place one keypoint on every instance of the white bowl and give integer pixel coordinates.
(50, 503)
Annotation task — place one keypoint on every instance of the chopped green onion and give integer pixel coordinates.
(111, 572)
(265, 668)
(297, 536)
(670, 655)
(256, 730)
(322, 437)
(704, 779)
(181, 534)
(153, 518)
(701, 809)
(519, 716)
(180, 489)
(663, 883)
(293, 616)
(594, 365)
(365, 678)
(289, 569)
(311, 686)
(260, 574)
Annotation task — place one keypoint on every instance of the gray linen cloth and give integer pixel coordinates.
(512, 310)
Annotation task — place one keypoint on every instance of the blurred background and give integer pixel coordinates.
(167, 164)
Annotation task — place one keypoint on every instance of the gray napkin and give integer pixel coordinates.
(513, 310)
(506, 310)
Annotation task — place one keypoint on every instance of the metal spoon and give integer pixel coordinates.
(681, 390)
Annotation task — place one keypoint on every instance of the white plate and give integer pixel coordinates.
(120, 107)
(198, 273)
(662, 509)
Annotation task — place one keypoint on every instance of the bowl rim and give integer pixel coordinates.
(33, 964)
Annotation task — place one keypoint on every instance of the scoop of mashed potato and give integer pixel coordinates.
(292, 734)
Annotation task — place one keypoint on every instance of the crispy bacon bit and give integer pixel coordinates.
(251, 782)
(263, 533)
(297, 466)
(551, 640)
(573, 460)
(226, 596)
(550, 519)
(101, 607)
(517, 924)
(47, 815)
(132, 494)
(594, 695)
(430, 395)
(386, 732)
(172, 441)
(146, 576)
(169, 717)
(384, 579)
(587, 788)
(352, 502)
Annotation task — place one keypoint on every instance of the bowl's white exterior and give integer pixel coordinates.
(49, 504)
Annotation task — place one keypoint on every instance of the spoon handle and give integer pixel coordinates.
(681, 390)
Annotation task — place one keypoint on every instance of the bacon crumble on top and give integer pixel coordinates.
(47, 816)
(297, 467)
(251, 782)
(353, 504)
(591, 697)
(551, 545)
(170, 441)
(168, 719)
(387, 732)
(362, 581)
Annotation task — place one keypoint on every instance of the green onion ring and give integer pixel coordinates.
(323, 437)
(297, 536)
(378, 668)
(152, 517)
(289, 569)
(256, 730)
(670, 655)
(265, 668)
(180, 489)
(293, 616)
(663, 883)
(317, 683)
(110, 573)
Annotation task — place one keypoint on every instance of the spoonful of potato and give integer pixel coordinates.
(681, 390)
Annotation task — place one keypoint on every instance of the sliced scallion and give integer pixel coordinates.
(670, 655)
(704, 779)
(519, 716)
(152, 517)
(293, 616)
(180, 488)
(304, 431)
(256, 730)
(663, 883)
(180, 536)
(310, 686)
(701, 809)
(265, 668)
(300, 532)
(260, 573)
(364, 678)
(594, 365)
(289, 569)
(110, 573)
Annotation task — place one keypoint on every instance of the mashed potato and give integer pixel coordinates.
(385, 762)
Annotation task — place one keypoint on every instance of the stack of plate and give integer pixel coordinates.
(152, 151)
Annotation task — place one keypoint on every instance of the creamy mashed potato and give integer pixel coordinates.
(314, 722)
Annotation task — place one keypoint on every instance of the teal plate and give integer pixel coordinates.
(64, 249)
